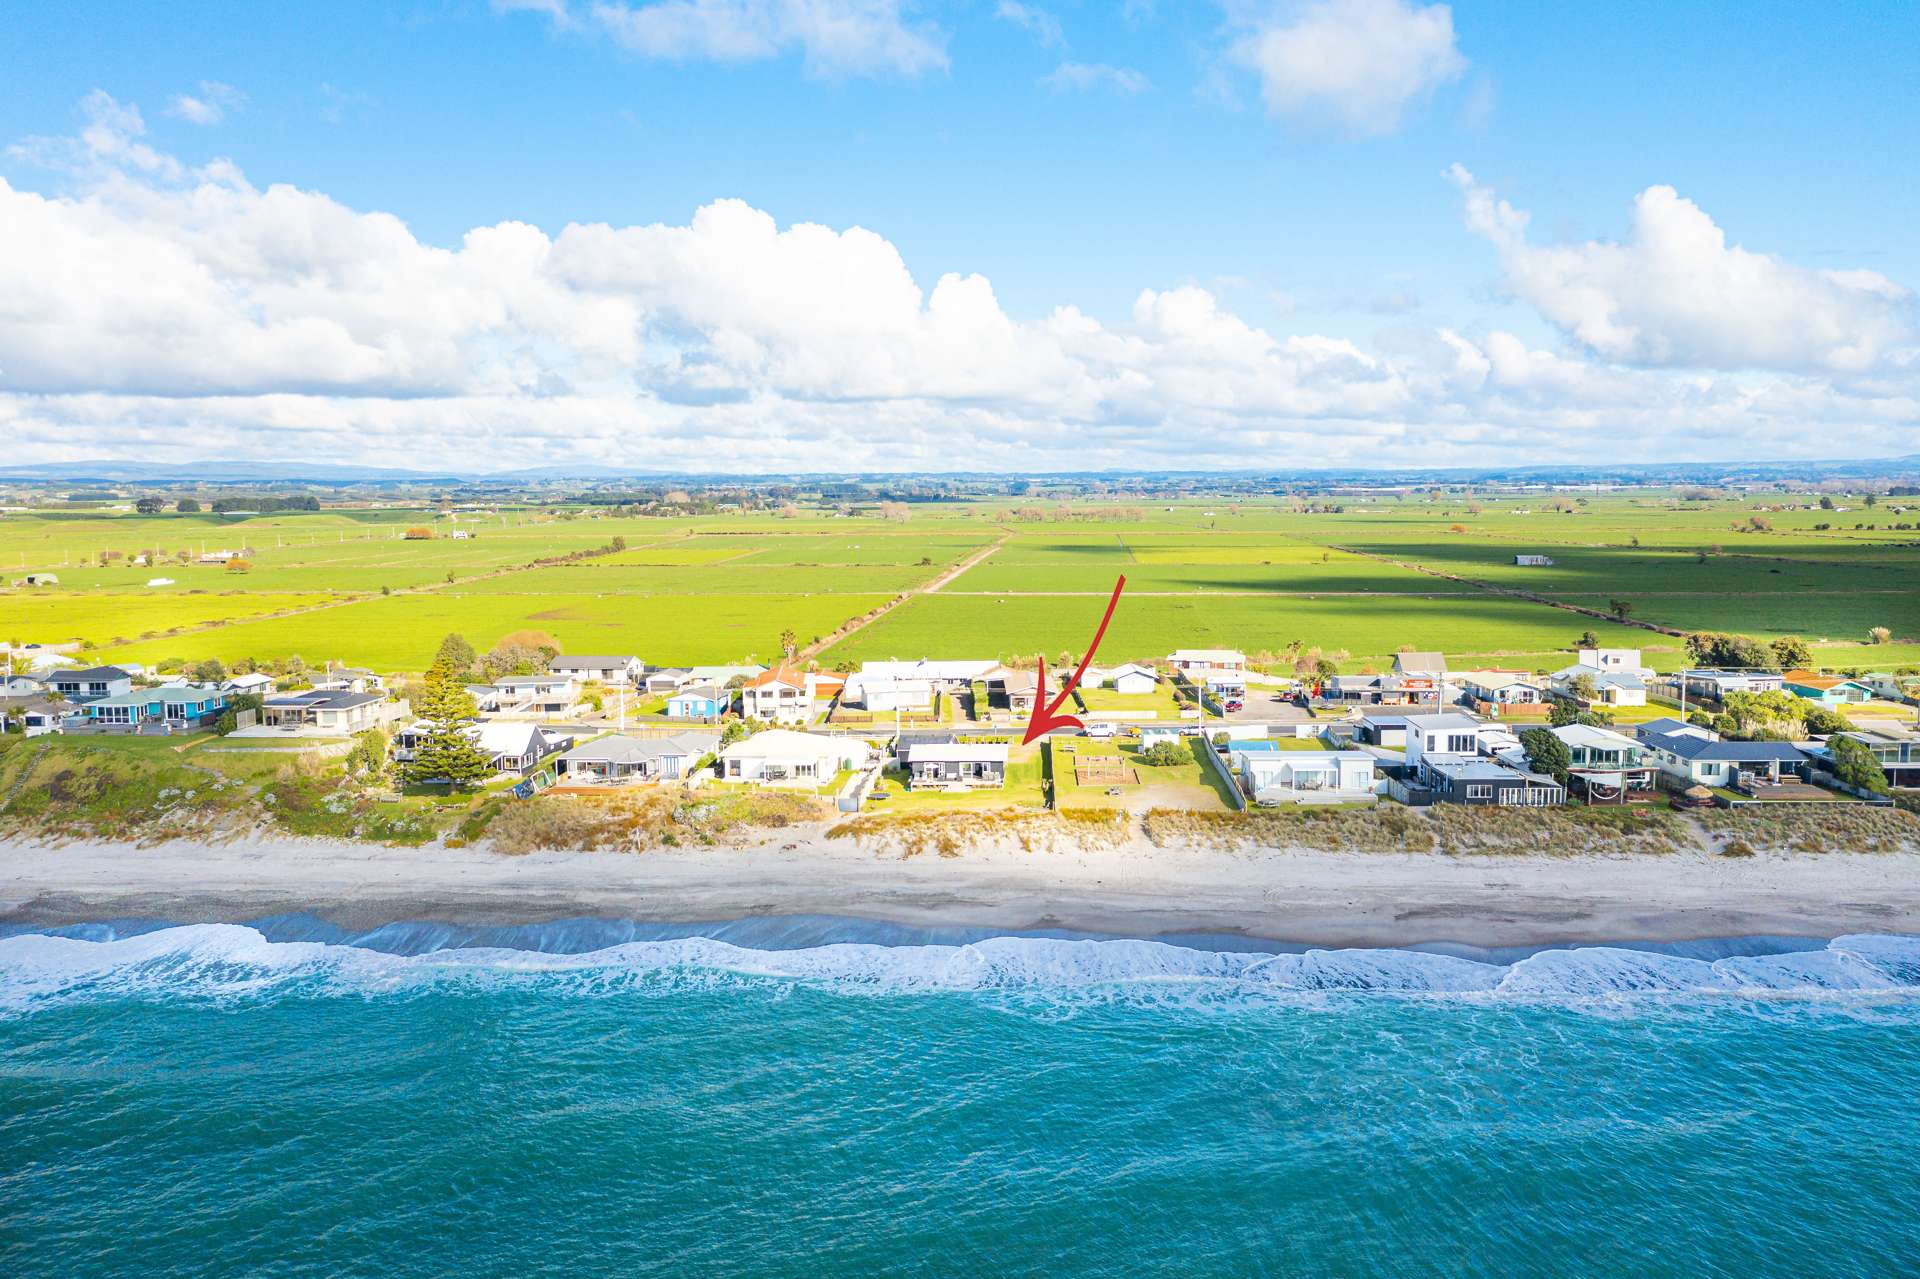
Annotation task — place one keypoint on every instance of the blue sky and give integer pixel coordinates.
(1287, 162)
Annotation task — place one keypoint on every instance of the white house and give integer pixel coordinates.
(509, 747)
(881, 694)
(605, 670)
(779, 757)
(1135, 678)
(616, 758)
(1503, 688)
(252, 682)
(1191, 661)
(785, 695)
(1307, 777)
(527, 696)
(1612, 686)
(1443, 734)
(953, 675)
(1612, 659)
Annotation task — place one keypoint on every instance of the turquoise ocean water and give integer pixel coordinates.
(602, 1099)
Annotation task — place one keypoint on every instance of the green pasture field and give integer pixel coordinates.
(593, 577)
(102, 618)
(402, 632)
(1254, 574)
(1011, 626)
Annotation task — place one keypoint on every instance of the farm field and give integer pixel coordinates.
(401, 633)
(1364, 576)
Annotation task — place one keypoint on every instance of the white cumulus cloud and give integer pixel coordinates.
(1675, 293)
(187, 312)
(1354, 64)
(208, 105)
(834, 37)
(1071, 77)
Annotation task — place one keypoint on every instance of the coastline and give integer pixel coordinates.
(1281, 895)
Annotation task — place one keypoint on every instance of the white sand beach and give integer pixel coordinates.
(1319, 898)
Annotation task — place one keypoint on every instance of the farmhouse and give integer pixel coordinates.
(1827, 690)
(1306, 777)
(92, 684)
(779, 757)
(957, 766)
(699, 701)
(617, 758)
(606, 670)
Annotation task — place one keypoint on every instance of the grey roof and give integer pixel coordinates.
(1661, 727)
(1472, 769)
(588, 663)
(95, 672)
(1446, 720)
(617, 749)
(333, 701)
(1689, 747)
(709, 691)
(1416, 660)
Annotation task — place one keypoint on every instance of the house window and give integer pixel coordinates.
(1480, 790)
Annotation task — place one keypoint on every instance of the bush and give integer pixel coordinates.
(1165, 755)
(419, 534)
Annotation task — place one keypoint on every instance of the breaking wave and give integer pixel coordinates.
(225, 962)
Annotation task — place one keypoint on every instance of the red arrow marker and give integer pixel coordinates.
(1045, 719)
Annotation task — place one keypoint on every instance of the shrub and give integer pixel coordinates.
(419, 534)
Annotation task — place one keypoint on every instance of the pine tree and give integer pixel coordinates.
(456, 652)
(445, 752)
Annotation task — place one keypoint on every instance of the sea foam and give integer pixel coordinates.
(222, 962)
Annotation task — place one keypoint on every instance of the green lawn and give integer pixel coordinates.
(1158, 704)
(1187, 785)
(1025, 788)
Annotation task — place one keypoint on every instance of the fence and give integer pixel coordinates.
(855, 792)
(1210, 758)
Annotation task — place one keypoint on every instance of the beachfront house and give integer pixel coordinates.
(1306, 777)
(318, 713)
(780, 757)
(1896, 746)
(611, 671)
(1379, 729)
(1697, 759)
(92, 684)
(38, 716)
(618, 759)
(1469, 779)
(1191, 662)
(1607, 767)
(957, 766)
(699, 701)
(1827, 690)
(512, 748)
(1443, 734)
(167, 709)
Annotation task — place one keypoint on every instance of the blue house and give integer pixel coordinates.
(170, 706)
(700, 701)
